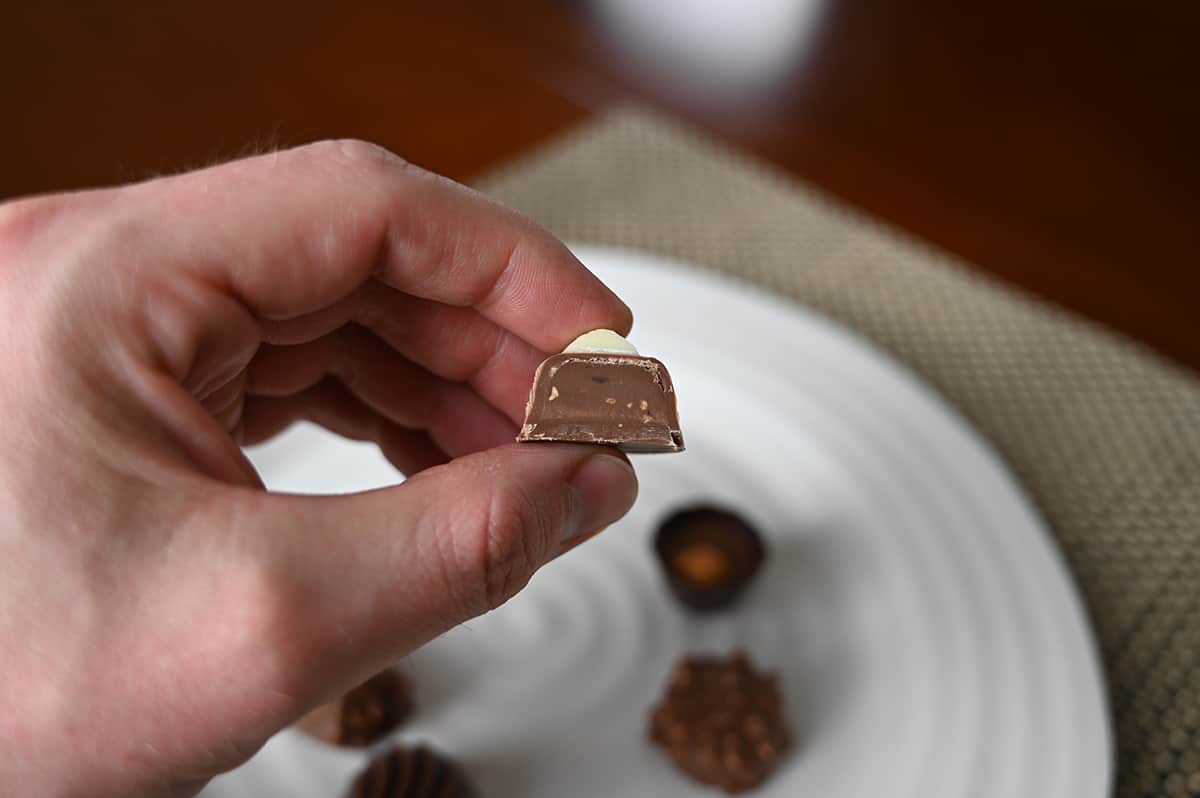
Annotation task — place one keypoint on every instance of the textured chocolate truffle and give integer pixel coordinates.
(709, 555)
(721, 722)
(418, 772)
(364, 715)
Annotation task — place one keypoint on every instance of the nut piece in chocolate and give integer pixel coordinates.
(418, 772)
(364, 715)
(722, 722)
(709, 556)
(600, 390)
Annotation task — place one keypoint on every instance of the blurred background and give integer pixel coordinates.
(1053, 144)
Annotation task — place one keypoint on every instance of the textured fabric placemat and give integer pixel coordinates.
(1104, 435)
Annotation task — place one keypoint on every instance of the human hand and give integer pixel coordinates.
(161, 615)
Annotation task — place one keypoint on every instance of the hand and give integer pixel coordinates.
(161, 615)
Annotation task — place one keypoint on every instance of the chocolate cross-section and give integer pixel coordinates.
(617, 398)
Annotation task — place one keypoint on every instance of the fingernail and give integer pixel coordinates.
(605, 487)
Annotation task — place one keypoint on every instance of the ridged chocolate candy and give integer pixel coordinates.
(418, 772)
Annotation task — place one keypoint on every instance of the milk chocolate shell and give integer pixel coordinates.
(709, 556)
(600, 390)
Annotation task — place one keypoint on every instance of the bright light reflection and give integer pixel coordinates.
(721, 48)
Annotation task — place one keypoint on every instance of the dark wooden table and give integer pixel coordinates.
(1053, 144)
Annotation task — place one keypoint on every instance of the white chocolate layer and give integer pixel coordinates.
(601, 341)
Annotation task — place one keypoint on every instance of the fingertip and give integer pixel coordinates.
(624, 324)
(613, 314)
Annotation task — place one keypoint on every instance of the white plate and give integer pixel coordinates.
(929, 639)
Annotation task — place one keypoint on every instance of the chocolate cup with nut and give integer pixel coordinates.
(363, 716)
(709, 556)
(406, 772)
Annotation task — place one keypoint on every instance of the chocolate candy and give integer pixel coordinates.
(709, 555)
(411, 773)
(364, 715)
(721, 722)
(600, 390)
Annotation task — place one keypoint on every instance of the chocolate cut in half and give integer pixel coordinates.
(722, 721)
(411, 772)
(600, 390)
(364, 715)
(709, 556)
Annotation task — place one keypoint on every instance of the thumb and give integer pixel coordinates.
(372, 576)
(479, 527)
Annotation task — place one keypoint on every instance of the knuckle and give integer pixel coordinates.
(360, 154)
(507, 557)
(267, 626)
(22, 220)
(270, 617)
(261, 605)
(499, 551)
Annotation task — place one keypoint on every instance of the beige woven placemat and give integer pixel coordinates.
(1104, 435)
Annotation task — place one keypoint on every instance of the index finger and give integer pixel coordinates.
(292, 232)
